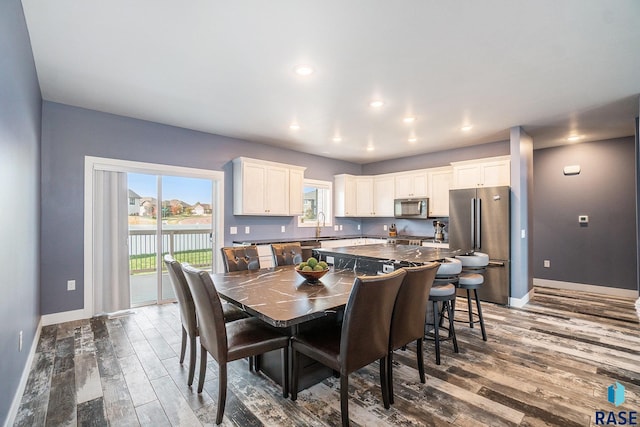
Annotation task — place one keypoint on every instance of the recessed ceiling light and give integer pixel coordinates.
(466, 128)
(573, 138)
(413, 139)
(337, 139)
(294, 126)
(376, 103)
(409, 119)
(370, 148)
(303, 70)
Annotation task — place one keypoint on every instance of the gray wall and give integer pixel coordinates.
(69, 134)
(605, 251)
(20, 110)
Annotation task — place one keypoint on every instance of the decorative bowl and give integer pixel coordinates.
(312, 276)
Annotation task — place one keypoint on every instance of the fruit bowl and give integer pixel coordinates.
(312, 276)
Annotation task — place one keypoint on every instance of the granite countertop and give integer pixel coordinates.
(393, 253)
(249, 241)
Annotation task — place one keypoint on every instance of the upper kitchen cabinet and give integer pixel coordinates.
(266, 188)
(489, 172)
(411, 184)
(363, 196)
(440, 182)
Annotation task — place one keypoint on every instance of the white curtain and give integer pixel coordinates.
(110, 251)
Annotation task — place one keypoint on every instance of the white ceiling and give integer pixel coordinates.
(226, 67)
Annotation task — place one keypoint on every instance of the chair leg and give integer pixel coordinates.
(257, 362)
(222, 391)
(484, 333)
(344, 399)
(294, 374)
(285, 371)
(390, 376)
(183, 348)
(203, 368)
(251, 359)
(470, 307)
(384, 386)
(192, 359)
(436, 339)
(420, 356)
(452, 330)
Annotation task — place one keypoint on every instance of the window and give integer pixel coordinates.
(316, 203)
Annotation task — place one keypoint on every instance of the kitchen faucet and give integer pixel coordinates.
(318, 229)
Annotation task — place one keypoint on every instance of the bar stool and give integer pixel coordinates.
(444, 291)
(472, 279)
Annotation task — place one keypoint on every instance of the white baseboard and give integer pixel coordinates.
(604, 290)
(520, 302)
(17, 398)
(65, 316)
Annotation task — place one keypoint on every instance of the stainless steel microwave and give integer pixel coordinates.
(411, 208)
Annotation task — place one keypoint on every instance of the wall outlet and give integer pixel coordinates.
(283, 228)
(384, 227)
(247, 230)
(547, 263)
(233, 230)
(523, 233)
(20, 341)
(358, 226)
(71, 285)
(340, 227)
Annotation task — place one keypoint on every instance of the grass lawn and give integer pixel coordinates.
(147, 262)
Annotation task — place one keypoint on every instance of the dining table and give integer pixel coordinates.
(284, 299)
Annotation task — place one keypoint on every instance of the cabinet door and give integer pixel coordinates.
(296, 188)
(496, 173)
(420, 184)
(254, 177)
(439, 186)
(364, 196)
(383, 195)
(403, 186)
(277, 191)
(466, 176)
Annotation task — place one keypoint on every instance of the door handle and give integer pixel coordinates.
(473, 223)
(478, 225)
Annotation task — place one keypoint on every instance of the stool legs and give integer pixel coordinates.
(436, 326)
(469, 307)
(437, 323)
(484, 333)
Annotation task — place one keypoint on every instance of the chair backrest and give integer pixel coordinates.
(287, 253)
(410, 310)
(213, 333)
(237, 258)
(367, 319)
(476, 261)
(183, 294)
(448, 271)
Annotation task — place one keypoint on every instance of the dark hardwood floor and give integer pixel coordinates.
(549, 363)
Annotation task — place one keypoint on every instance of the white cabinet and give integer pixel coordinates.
(264, 188)
(411, 184)
(344, 195)
(440, 182)
(363, 196)
(487, 172)
(296, 191)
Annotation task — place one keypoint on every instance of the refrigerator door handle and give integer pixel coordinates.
(478, 226)
(473, 224)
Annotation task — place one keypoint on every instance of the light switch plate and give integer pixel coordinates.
(282, 228)
(247, 230)
(335, 228)
(233, 230)
(71, 285)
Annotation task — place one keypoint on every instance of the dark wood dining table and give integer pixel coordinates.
(281, 297)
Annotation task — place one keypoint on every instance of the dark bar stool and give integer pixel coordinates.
(444, 292)
(472, 279)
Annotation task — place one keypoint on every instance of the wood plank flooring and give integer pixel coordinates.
(549, 363)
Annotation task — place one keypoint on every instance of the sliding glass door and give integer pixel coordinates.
(167, 214)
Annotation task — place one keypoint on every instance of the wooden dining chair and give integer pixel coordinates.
(409, 315)
(188, 312)
(362, 339)
(238, 258)
(287, 253)
(229, 341)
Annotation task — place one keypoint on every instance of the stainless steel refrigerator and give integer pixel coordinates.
(479, 220)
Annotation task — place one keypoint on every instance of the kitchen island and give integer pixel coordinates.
(374, 259)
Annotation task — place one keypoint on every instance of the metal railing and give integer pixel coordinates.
(193, 246)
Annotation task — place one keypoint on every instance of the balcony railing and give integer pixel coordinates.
(187, 245)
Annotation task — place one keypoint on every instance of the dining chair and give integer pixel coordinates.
(362, 339)
(409, 315)
(237, 258)
(287, 253)
(229, 341)
(188, 312)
